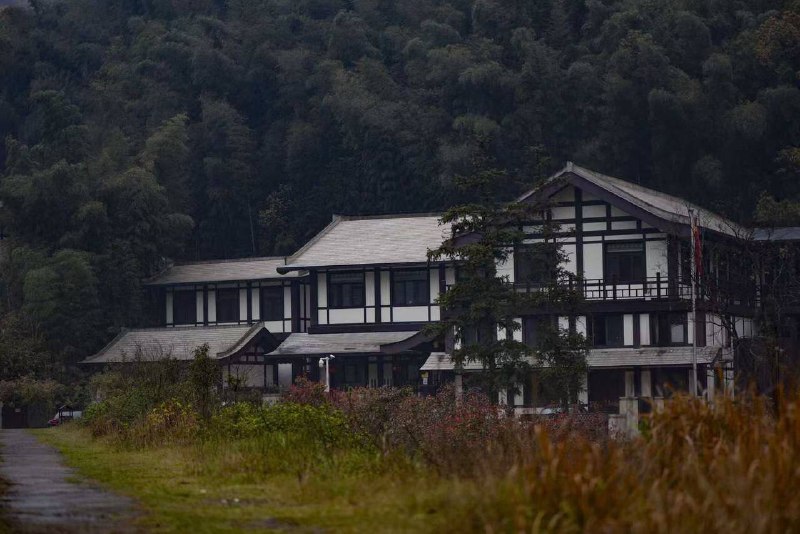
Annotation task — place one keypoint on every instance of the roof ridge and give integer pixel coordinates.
(228, 260)
(120, 335)
(401, 215)
(308, 244)
(641, 187)
(186, 328)
(615, 182)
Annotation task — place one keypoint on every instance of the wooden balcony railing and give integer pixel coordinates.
(650, 288)
(654, 288)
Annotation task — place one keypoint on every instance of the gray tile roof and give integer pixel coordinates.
(221, 271)
(441, 361)
(298, 344)
(605, 358)
(661, 205)
(650, 356)
(372, 240)
(178, 343)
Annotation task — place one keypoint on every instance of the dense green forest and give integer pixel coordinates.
(138, 130)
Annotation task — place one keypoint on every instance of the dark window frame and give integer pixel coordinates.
(531, 329)
(236, 309)
(262, 294)
(599, 330)
(336, 297)
(661, 329)
(424, 296)
(634, 278)
(190, 318)
(544, 275)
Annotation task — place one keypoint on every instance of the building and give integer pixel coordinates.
(364, 289)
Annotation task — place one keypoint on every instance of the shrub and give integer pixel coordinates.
(285, 437)
(305, 391)
(204, 376)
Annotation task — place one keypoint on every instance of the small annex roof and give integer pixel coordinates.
(220, 271)
(660, 205)
(651, 356)
(378, 240)
(149, 344)
(304, 344)
(787, 233)
(605, 358)
(441, 361)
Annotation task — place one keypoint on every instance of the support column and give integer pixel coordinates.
(710, 384)
(630, 385)
(646, 383)
(583, 394)
(459, 387)
(502, 397)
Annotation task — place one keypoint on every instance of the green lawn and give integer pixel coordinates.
(176, 496)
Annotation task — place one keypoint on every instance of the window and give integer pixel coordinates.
(184, 307)
(272, 303)
(667, 381)
(228, 305)
(624, 262)
(477, 335)
(346, 290)
(607, 331)
(355, 372)
(668, 329)
(410, 288)
(535, 264)
(532, 330)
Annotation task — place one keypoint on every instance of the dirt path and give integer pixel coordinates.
(43, 495)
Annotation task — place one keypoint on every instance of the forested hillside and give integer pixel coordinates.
(142, 129)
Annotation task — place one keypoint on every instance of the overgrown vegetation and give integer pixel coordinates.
(721, 467)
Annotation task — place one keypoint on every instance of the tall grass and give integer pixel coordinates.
(727, 467)
(732, 466)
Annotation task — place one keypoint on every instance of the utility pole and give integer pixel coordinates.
(326, 363)
(693, 276)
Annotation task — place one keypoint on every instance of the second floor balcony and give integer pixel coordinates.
(654, 288)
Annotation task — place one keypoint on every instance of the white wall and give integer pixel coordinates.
(322, 290)
(563, 212)
(402, 314)
(169, 309)
(504, 268)
(199, 305)
(212, 306)
(243, 304)
(346, 315)
(644, 329)
(571, 263)
(255, 303)
(656, 257)
(593, 261)
(369, 288)
(627, 325)
(580, 324)
(252, 375)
